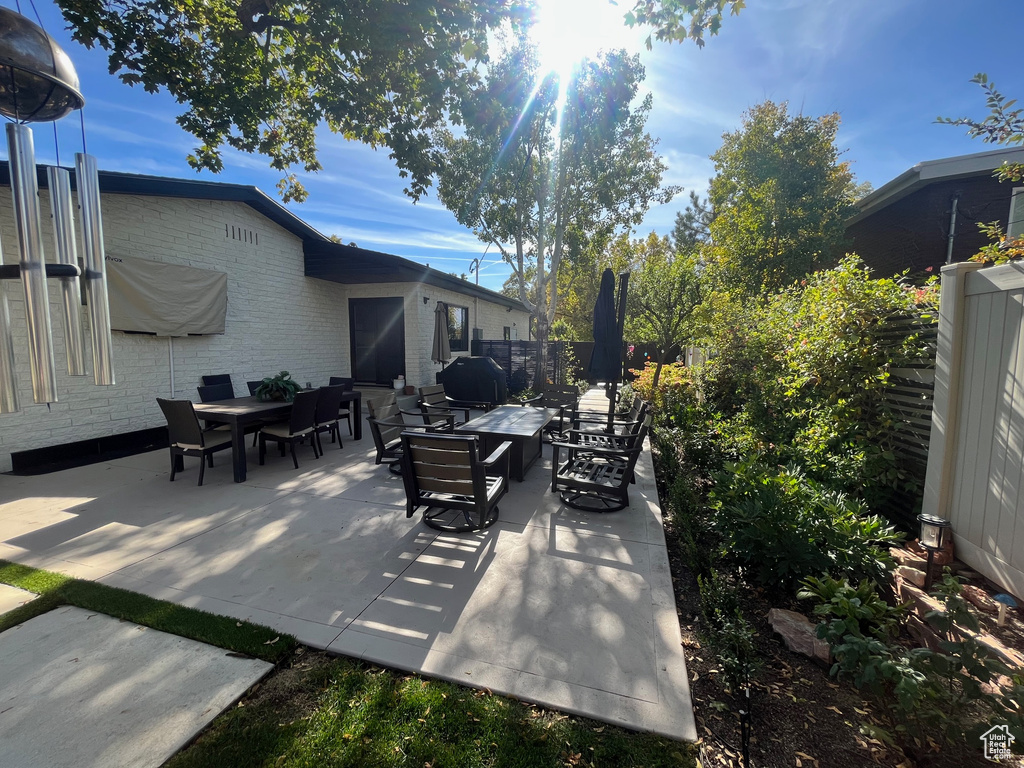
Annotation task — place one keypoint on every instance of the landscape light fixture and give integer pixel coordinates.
(426, 299)
(934, 536)
(38, 83)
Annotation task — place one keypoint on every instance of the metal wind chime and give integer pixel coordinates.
(38, 83)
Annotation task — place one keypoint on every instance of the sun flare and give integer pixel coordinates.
(568, 31)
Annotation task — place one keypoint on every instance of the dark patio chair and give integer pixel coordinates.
(211, 393)
(595, 479)
(443, 473)
(253, 386)
(345, 411)
(436, 405)
(594, 421)
(564, 397)
(327, 415)
(297, 429)
(219, 378)
(387, 425)
(187, 438)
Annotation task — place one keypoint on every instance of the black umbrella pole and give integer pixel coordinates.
(620, 322)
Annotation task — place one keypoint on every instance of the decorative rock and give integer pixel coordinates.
(908, 558)
(942, 557)
(913, 575)
(922, 633)
(920, 603)
(1008, 656)
(798, 634)
(979, 598)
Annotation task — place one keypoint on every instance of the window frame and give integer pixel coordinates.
(458, 343)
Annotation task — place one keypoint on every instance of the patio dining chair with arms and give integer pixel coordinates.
(594, 478)
(443, 474)
(187, 438)
(211, 393)
(564, 397)
(299, 427)
(387, 425)
(327, 415)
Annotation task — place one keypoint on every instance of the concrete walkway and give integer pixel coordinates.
(82, 690)
(567, 609)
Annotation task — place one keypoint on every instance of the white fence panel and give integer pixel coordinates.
(976, 452)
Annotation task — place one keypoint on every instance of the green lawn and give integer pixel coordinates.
(316, 710)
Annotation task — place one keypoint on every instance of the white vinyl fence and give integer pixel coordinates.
(976, 452)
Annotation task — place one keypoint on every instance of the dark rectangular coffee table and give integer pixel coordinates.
(520, 425)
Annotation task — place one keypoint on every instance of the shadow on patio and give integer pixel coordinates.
(567, 609)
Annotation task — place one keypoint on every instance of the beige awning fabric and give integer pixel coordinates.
(165, 299)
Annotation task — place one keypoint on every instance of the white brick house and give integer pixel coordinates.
(290, 297)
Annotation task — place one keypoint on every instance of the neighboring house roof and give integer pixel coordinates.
(930, 171)
(330, 260)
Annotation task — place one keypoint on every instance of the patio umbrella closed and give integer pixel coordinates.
(606, 359)
(441, 351)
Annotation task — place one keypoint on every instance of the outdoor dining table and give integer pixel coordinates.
(240, 412)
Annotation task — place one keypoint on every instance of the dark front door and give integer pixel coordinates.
(378, 339)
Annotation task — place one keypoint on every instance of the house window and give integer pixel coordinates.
(506, 333)
(458, 328)
(1015, 227)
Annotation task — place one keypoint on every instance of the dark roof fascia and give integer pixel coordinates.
(353, 265)
(116, 183)
(931, 171)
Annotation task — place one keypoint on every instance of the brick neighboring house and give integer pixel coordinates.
(292, 296)
(906, 223)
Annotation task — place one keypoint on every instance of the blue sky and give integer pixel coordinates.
(889, 67)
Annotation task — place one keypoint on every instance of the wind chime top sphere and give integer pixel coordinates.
(38, 82)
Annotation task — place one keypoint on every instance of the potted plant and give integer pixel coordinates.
(399, 382)
(280, 387)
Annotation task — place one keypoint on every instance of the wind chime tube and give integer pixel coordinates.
(8, 384)
(25, 187)
(65, 247)
(88, 178)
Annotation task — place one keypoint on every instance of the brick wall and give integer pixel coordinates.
(277, 319)
(419, 321)
(913, 233)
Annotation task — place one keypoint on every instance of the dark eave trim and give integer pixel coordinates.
(352, 265)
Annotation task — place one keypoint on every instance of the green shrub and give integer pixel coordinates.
(726, 632)
(923, 691)
(845, 609)
(782, 526)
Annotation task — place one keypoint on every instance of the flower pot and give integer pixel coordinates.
(410, 389)
(398, 384)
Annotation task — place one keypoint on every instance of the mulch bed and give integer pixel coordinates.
(800, 716)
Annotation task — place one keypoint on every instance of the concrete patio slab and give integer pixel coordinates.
(108, 693)
(12, 597)
(568, 609)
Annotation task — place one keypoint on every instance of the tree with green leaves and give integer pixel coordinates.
(680, 20)
(693, 224)
(261, 75)
(544, 169)
(781, 197)
(665, 289)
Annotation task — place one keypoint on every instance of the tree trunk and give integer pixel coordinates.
(659, 363)
(541, 376)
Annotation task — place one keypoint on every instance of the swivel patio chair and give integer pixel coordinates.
(297, 429)
(443, 474)
(387, 425)
(436, 405)
(564, 397)
(593, 478)
(327, 415)
(187, 438)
